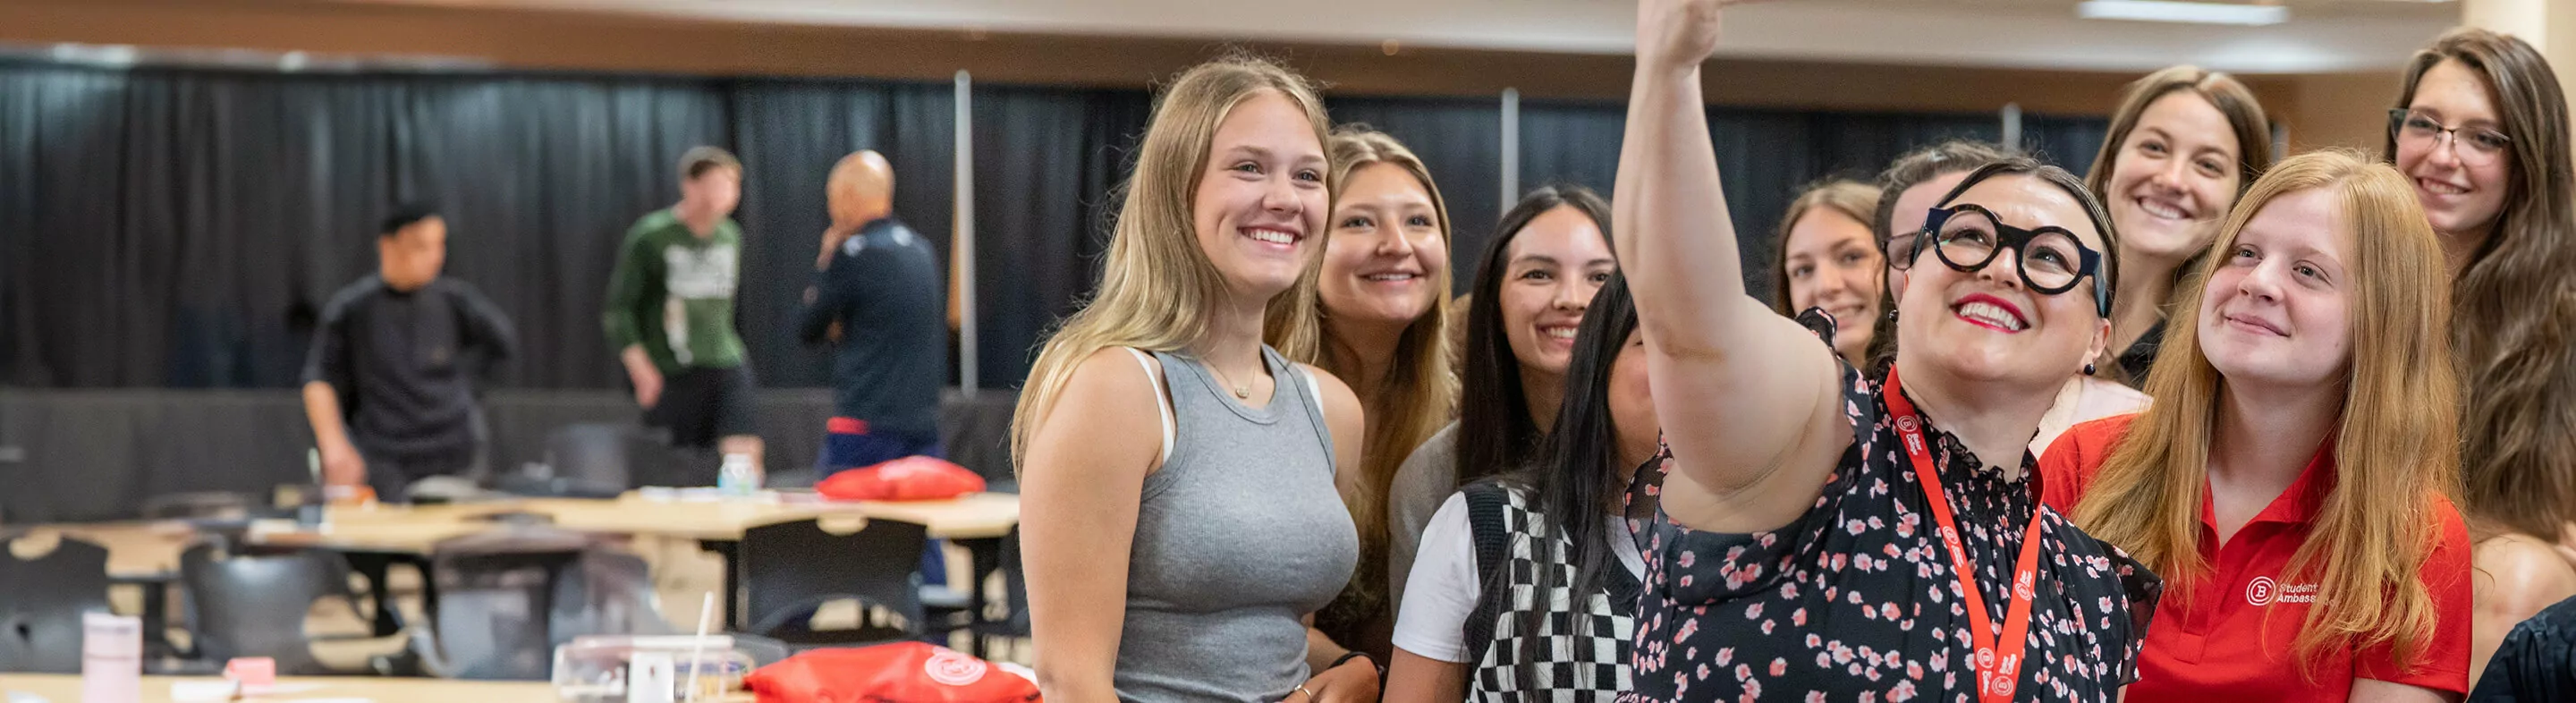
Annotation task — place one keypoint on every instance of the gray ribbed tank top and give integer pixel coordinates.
(1239, 534)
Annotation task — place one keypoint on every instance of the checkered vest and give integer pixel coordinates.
(1589, 663)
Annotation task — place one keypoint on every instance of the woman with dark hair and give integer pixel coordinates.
(1908, 189)
(1828, 536)
(2183, 146)
(2480, 129)
(1469, 619)
(1906, 192)
(1532, 286)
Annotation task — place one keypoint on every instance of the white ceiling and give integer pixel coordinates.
(2322, 36)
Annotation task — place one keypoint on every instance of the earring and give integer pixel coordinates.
(2088, 368)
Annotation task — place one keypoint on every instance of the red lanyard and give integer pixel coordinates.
(1998, 672)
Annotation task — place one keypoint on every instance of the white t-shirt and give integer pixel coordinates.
(1443, 589)
(2085, 399)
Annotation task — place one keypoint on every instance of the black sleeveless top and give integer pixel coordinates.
(1587, 630)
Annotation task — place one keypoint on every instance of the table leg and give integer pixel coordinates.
(984, 554)
(156, 618)
(730, 599)
(428, 587)
(372, 567)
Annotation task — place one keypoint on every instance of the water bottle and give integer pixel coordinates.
(738, 477)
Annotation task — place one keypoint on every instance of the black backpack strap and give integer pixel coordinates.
(1486, 504)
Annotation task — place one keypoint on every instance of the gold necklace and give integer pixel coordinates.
(1242, 391)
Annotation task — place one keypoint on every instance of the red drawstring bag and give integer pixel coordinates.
(904, 672)
(908, 478)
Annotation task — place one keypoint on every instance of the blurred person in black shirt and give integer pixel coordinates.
(878, 297)
(389, 384)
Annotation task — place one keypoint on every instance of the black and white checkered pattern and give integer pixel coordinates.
(1581, 664)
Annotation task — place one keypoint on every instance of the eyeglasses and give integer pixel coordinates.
(2417, 130)
(1900, 251)
(1967, 238)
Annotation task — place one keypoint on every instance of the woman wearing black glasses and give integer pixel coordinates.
(1820, 537)
(2481, 131)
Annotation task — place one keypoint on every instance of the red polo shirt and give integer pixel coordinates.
(2232, 636)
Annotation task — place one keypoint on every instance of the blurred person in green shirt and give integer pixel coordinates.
(670, 311)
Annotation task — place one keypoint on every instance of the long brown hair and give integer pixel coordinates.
(2231, 97)
(1850, 198)
(2244, 118)
(1419, 391)
(1157, 285)
(2393, 443)
(2515, 337)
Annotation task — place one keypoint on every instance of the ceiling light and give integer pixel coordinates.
(2171, 11)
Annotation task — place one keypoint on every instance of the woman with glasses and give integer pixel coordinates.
(1908, 188)
(1820, 538)
(2183, 145)
(2481, 132)
(2299, 453)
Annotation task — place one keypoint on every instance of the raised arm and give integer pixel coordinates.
(1081, 482)
(827, 295)
(1745, 395)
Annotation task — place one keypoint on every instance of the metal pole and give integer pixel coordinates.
(964, 125)
(1511, 151)
(2012, 126)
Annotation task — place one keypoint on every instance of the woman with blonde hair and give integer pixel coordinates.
(1826, 256)
(2291, 481)
(1379, 320)
(1177, 475)
(2481, 129)
(2183, 145)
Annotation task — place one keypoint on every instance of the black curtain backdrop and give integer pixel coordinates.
(1571, 143)
(2071, 142)
(1766, 155)
(789, 134)
(539, 178)
(1461, 141)
(179, 228)
(1046, 161)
